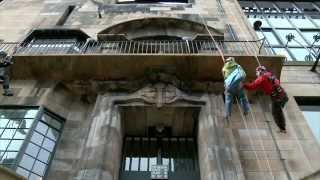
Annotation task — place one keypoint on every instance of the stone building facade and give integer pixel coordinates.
(109, 98)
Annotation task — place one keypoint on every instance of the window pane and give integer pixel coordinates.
(53, 134)
(284, 33)
(9, 157)
(4, 144)
(286, 7)
(266, 6)
(21, 134)
(309, 36)
(127, 164)
(48, 144)
(13, 113)
(152, 161)
(306, 7)
(42, 128)
(279, 22)
(3, 123)
(143, 164)
(8, 133)
(37, 138)
(31, 113)
(134, 164)
(34, 177)
(300, 54)
(15, 145)
(44, 156)
(282, 51)
(313, 119)
(32, 149)
(270, 37)
(27, 162)
(302, 22)
(53, 122)
(316, 19)
(14, 123)
(39, 168)
(22, 172)
(27, 123)
(248, 6)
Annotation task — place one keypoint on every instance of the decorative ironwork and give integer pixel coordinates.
(136, 47)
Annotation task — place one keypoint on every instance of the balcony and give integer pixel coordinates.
(127, 59)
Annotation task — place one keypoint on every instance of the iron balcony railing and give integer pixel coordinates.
(201, 47)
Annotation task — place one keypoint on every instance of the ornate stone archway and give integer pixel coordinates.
(104, 144)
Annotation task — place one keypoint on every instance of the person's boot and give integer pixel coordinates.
(8, 92)
(283, 131)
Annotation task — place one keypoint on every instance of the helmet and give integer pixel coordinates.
(261, 69)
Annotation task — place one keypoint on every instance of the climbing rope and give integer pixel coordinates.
(242, 116)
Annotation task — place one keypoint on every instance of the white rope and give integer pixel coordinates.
(211, 36)
(260, 140)
(246, 125)
(256, 127)
(249, 135)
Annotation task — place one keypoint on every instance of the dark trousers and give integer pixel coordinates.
(4, 75)
(278, 115)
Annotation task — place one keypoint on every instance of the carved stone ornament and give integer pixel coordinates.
(161, 94)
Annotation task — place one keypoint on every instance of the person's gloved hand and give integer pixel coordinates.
(240, 85)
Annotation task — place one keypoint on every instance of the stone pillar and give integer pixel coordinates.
(217, 157)
(102, 154)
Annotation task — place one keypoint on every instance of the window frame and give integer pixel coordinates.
(311, 104)
(27, 140)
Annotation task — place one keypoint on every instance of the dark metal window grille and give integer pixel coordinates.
(28, 138)
(179, 153)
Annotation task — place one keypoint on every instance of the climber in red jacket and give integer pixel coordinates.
(271, 86)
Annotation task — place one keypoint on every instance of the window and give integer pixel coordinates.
(307, 7)
(267, 7)
(301, 54)
(302, 22)
(28, 136)
(248, 6)
(310, 107)
(316, 19)
(283, 51)
(286, 7)
(272, 40)
(279, 21)
(280, 18)
(283, 33)
(141, 153)
(309, 35)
